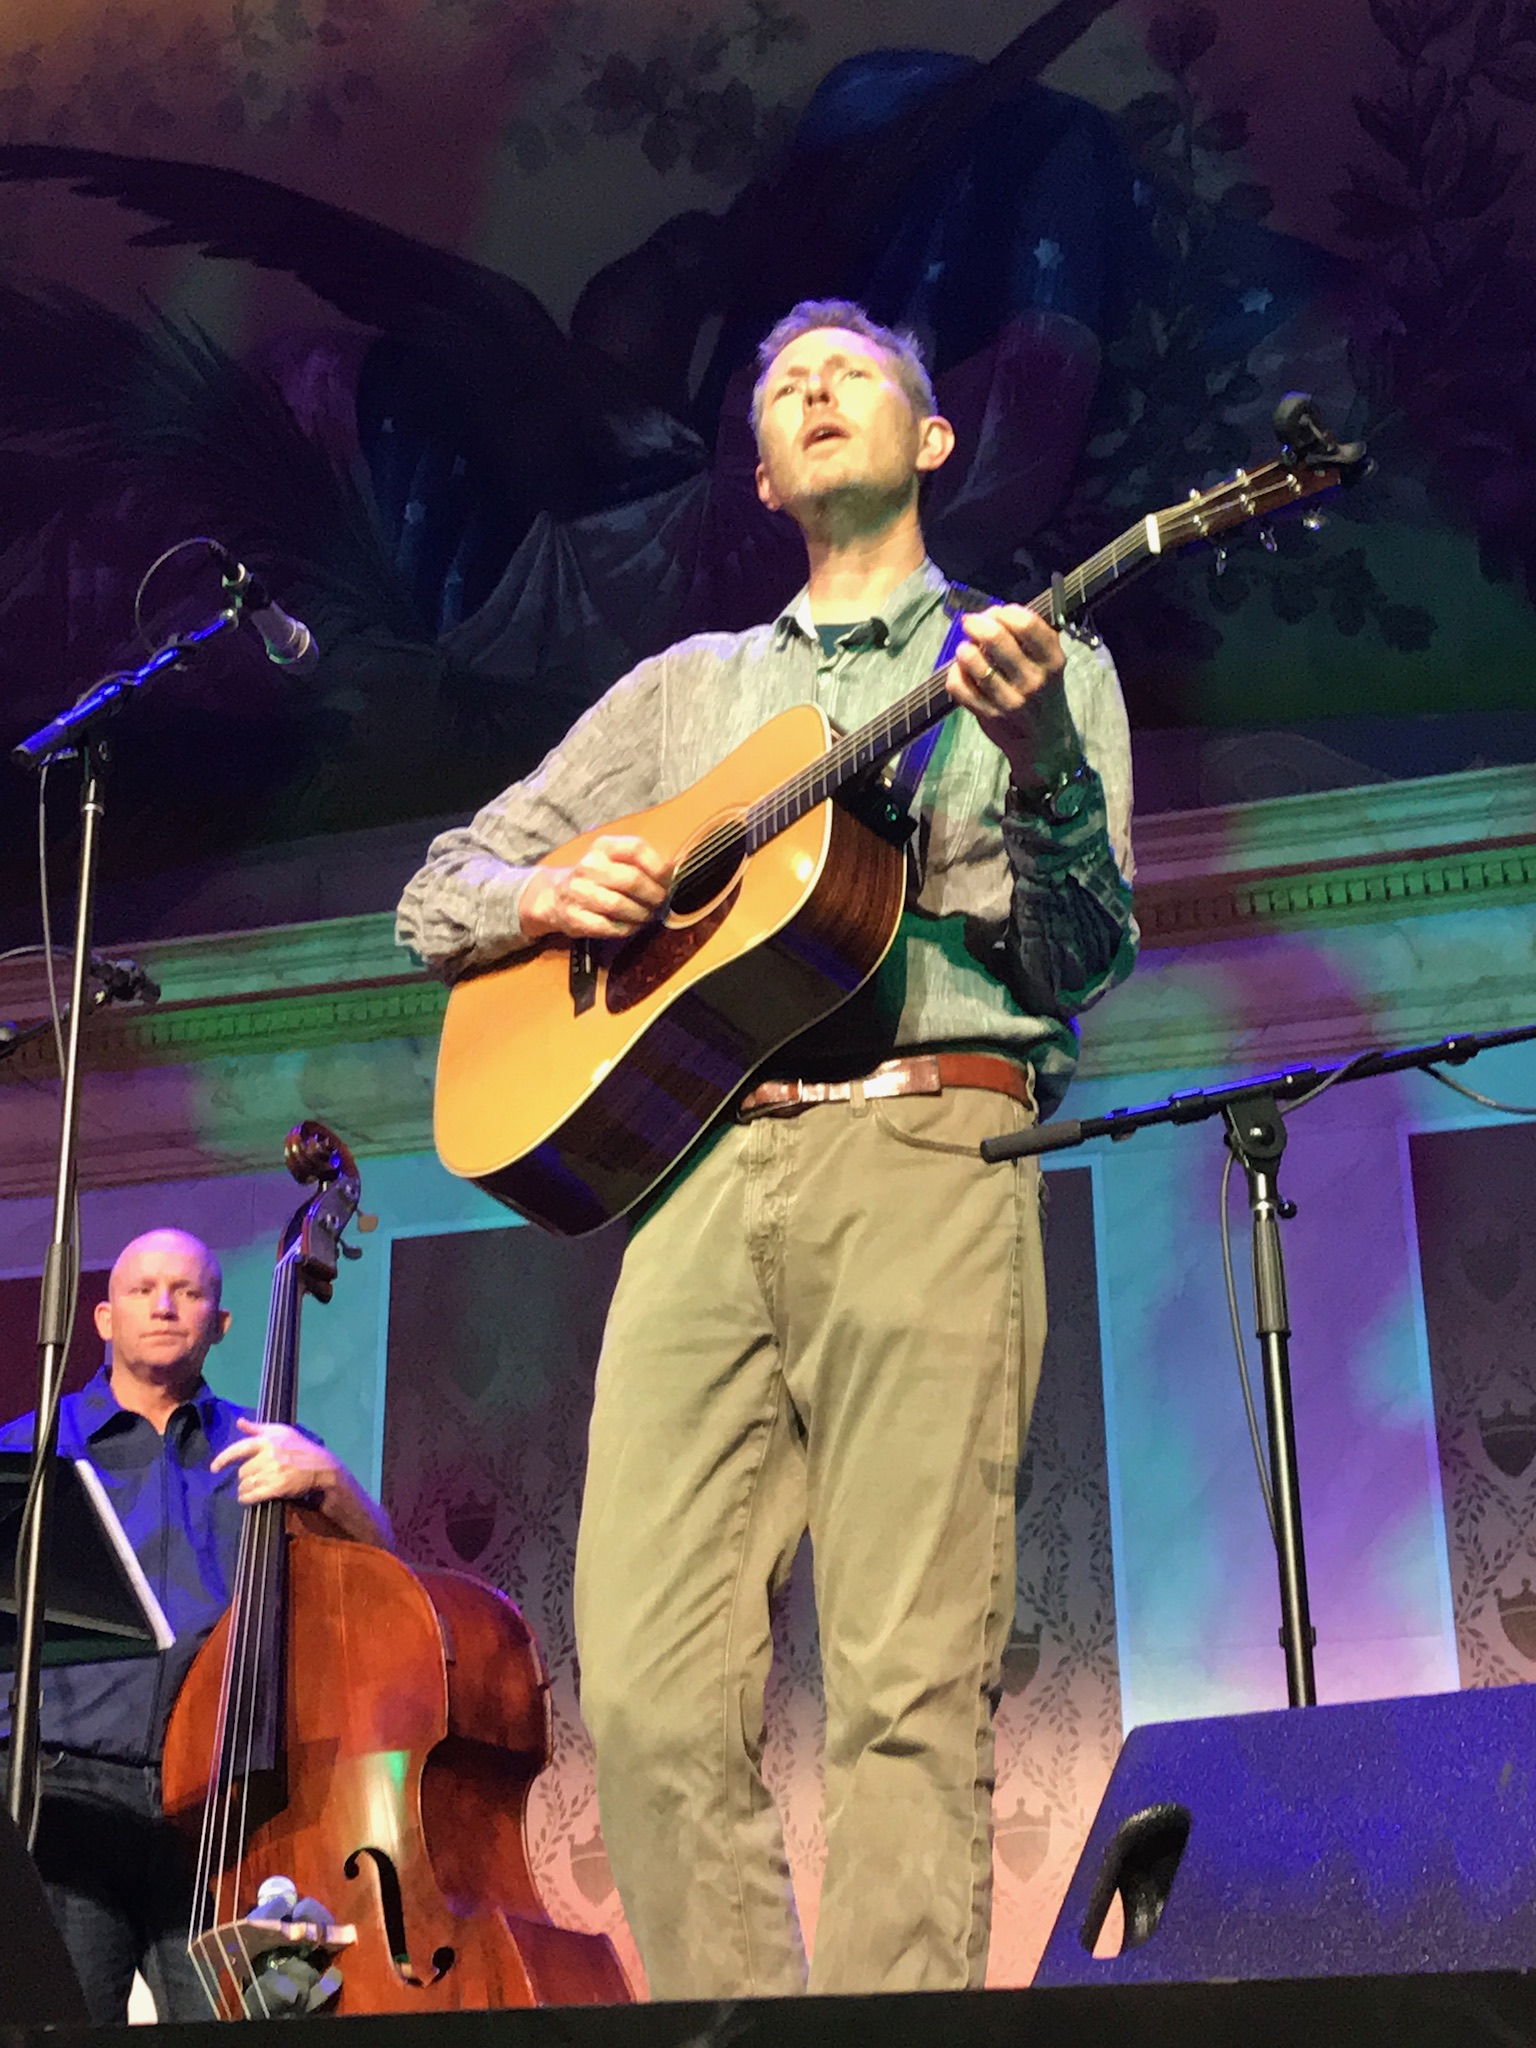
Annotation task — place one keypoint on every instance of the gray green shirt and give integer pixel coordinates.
(1012, 925)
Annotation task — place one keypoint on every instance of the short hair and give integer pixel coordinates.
(205, 1253)
(902, 346)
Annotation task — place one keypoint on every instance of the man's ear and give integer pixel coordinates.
(102, 1314)
(765, 491)
(221, 1324)
(935, 442)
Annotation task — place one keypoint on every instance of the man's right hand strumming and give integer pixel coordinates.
(617, 886)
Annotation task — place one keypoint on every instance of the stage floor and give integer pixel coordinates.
(1494, 2009)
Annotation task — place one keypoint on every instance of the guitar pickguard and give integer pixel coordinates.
(650, 959)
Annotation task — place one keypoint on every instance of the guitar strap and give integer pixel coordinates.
(905, 773)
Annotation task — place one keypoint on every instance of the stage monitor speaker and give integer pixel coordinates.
(1387, 1837)
(38, 1984)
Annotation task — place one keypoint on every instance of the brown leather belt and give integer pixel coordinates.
(923, 1074)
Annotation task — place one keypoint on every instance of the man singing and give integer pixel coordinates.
(831, 1317)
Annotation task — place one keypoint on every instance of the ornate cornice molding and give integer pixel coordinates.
(1301, 928)
(1338, 827)
(251, 1022)
(1195, 910)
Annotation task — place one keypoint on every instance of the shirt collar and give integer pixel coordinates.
(100, 1410)
(895, 620)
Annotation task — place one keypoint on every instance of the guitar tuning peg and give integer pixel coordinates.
(1221, 561)
(366, 1224)
(1267, 540)
(1314, 521)
(350, 1251)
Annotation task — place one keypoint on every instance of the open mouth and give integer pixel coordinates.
(826, 431)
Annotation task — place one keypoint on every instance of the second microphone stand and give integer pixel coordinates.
(1255, 1131)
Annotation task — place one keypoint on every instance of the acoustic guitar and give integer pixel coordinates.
(574, 1076)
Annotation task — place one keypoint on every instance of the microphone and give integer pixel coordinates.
(288, 641)
(124, 981)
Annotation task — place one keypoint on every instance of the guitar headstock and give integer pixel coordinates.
(313, 1153)
(1311, 460)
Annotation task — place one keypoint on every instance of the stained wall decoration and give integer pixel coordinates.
(1474, 1195)
(493, 1340)
(18, 1340)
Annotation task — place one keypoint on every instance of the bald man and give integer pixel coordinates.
(178, 1465)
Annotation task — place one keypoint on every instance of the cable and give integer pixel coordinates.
(1240, 1346)
(1239, 1342)
(44, 1425)
(1328, 1081)
(20, 952)
(196, 540)
(49, 949)
(1488, 1101)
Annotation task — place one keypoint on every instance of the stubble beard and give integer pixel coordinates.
(851, 510)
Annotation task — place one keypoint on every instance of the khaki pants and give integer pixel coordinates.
(834, 1320)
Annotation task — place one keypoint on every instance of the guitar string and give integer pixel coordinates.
(891, 729)
(860, 750)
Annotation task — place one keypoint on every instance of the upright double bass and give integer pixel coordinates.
(354, 1745)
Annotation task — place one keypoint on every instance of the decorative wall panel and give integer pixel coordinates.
(493, 1340)
(1475, 1197)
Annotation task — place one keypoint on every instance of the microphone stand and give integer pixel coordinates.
(122, 981)
(73, 731)
(1255, 1135)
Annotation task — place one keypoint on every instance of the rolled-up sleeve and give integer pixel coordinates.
(460, 909)
(1071, 931)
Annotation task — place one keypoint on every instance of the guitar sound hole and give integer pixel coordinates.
(708, 871)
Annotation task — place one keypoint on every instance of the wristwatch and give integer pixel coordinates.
(1057, 801)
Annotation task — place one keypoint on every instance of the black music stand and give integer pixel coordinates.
(99, 1603)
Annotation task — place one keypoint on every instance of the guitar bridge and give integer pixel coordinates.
(583, 976)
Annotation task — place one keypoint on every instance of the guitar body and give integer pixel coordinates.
(570, 1080)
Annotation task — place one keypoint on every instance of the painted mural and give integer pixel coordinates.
(441, 315)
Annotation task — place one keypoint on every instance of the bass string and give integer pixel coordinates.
(279, 1407)
(268, 1519)
(229, 1686)
(235, 1730)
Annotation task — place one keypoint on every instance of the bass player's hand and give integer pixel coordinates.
(618, 885)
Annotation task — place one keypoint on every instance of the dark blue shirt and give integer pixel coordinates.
(183, 1522)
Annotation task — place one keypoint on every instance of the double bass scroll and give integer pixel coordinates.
(358, 1733)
